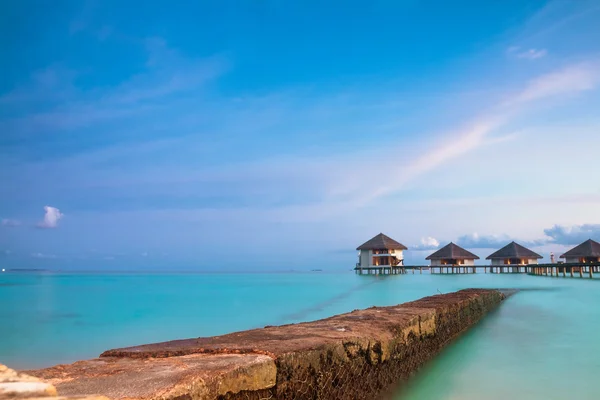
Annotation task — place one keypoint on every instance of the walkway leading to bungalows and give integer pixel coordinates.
(553, 270)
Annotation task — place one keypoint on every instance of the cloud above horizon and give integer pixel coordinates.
(571, 235)
(557, 234)
(427, 243)
(51, 217)
(476, 241)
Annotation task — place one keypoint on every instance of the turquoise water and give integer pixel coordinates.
(540, 344)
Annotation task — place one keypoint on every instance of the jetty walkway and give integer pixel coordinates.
(555, 270)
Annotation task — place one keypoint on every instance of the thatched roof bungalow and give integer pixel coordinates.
(514, 254)
(381, 250)
(452, 254)
(586, 252)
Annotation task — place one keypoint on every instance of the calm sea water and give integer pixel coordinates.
(542, 343)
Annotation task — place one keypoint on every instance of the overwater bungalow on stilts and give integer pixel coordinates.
(452, 259)
(381, 255)
(587, 255)
(586, 252)
(512, 258)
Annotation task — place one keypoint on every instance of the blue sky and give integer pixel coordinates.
(277, 135)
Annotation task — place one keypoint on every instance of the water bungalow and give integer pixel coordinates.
(452, 256)
(512, 257)
(381, 255)
(586, 252)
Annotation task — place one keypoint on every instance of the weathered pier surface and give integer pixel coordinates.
(364, 354)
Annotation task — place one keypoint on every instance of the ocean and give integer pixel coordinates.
(540, 344)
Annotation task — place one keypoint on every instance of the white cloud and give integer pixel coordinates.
(430, 241)
(51, 218)
(476, 241)
(10, 222)
(427, 243)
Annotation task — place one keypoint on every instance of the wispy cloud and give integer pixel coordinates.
(532, 54)
(61, 105)
(10, 222)
(528, 54)
(51, 217)
(42, 255)
(555, 16)
(316, 186)
(570, 80)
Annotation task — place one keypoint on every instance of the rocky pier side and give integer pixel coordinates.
(364, 354)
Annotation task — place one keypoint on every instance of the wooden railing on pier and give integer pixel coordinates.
(555, 270)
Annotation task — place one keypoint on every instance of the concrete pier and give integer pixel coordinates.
(364, 354)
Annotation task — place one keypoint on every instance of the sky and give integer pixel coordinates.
(269, 135)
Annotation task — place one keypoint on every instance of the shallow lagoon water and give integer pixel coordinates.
(540, 344)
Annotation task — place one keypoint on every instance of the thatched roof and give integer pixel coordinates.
(382, 242)
(513, 250)
(452, 252)
(589, 248)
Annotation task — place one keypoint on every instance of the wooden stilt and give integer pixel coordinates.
(580, 271)
(591, 272)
